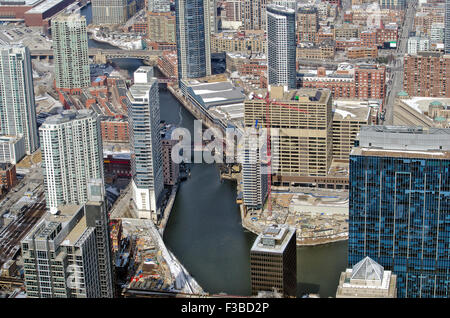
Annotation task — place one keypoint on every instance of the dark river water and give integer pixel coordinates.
(204, 230)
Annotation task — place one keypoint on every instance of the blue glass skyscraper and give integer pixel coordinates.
(399, 209)
(193, 38)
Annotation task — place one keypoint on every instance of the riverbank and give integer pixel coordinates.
(168, 209)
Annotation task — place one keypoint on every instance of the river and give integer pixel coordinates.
(205, 232)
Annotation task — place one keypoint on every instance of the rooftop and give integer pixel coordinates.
(274, 239)
(44, 6)
(68, 115)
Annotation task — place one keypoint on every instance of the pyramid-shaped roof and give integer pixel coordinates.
(367, 269)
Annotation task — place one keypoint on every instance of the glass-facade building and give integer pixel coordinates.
(399, 209)
(193, 38)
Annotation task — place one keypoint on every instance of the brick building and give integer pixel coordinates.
(426, 74)
(8, 177)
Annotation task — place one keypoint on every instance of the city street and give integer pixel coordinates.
(395, 82)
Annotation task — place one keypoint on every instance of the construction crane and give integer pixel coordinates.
(269, 153)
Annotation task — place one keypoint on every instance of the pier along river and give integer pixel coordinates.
(205, 232)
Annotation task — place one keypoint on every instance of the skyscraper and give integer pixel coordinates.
(281, 46)
(70, 46)
(399, 206)
(72, 156)
(193, 38)
(145, 140)
(17, 108)
(67, 254)
(447, 27)
(273, 261)
(254, 178)
(254, 14)
(109, 11)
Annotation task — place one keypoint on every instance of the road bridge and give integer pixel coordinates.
(148, 55)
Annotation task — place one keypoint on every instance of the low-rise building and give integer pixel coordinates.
(8, 177)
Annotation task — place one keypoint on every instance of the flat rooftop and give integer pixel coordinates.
(16, 3)
(273, 239)
(351, 110)
(403, 142)
(307, 95)
(44, 6)
(68, 115)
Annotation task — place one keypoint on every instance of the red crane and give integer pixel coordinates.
(269, 153)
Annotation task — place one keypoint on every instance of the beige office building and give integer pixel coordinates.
(305, 129)
(348, 117)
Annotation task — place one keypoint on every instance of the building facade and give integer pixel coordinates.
(426, 74)
(305, 129)
(254, 178)
(109, 11)
(72, 155)
(399, 203)
(145, 140)
(17, 105)
(447, 27)
(67, 255)
(281, 46)
(70, 47)
(273, 261)
(193, 38)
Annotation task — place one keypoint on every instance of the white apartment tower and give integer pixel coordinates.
(70, 47)
(254, 177)
(145, 140)
(281, 46)
(17, 107)
(72, 156)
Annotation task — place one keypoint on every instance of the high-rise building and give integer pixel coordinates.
(72, 155)
(306, 130)
(254, 178)
(281, 46)
(426, 74)
(170, 167)
(254, 14)
(367, 279)
(399, 206)
(447, 27)
(109, 12)
(158, 6)
(370, 81)
(193, 38)
(273, 261)
(70, 47)
(145, 140)
(97, 217)
(67, 254)
(17, 107)
(307, 24)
